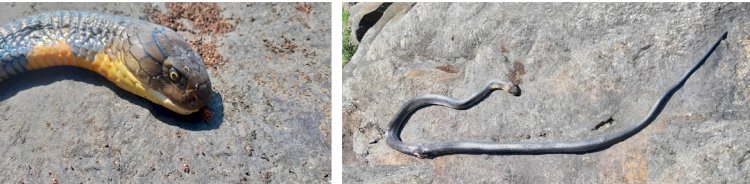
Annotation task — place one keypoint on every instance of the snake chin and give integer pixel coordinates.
(176, 108)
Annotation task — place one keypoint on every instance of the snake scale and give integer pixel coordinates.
(393, 135)
(146, 59)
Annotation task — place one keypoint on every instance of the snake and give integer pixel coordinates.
(431, 150)
(146, 59)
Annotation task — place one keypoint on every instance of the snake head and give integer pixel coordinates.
(173, 73)
(514, 90)
(187, 84)
(511, 88)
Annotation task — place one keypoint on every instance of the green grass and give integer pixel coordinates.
(348, 47)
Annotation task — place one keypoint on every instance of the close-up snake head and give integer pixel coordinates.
(173, 74)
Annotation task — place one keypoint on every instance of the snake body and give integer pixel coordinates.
(145, 59)
(393, 138)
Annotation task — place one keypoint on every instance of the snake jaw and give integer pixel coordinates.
(179, 110)
(162, 100)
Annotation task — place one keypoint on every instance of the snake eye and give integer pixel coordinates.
(174, 75)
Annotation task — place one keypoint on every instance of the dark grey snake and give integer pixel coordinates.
(393, 138)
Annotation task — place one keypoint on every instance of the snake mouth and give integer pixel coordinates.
(162, 100)
(179, 110)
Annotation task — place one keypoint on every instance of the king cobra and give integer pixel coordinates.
(145, 59)
(393, 138)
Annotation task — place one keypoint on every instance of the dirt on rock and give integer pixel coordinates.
(206, 17)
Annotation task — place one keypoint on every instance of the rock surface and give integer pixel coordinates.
(271, 109)
(578, 64)
(371, 17)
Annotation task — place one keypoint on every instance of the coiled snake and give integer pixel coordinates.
(145, 59)
(393, 138)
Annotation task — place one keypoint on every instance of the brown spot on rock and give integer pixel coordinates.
(208, 50)
(516, 73)
(206, 17)
(286, 46)
(303, 7)
(448, 68)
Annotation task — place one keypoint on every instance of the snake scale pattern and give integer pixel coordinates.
(146, 59)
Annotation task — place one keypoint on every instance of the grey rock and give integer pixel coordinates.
(271, 118)
(578, 65)
(369, 18)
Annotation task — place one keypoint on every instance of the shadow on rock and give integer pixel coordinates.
(42, 77)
